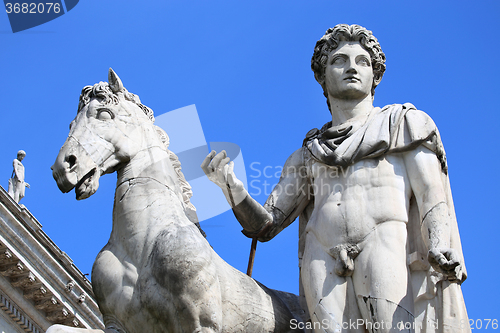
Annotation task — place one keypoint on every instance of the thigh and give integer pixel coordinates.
(380, 269)
(381, 275)
(330, 298)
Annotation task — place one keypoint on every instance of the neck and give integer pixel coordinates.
(153, 163)
(147, 192)
(344, 110)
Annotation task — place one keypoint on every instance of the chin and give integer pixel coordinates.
(352, 94)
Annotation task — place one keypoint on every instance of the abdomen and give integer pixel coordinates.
(349, 204)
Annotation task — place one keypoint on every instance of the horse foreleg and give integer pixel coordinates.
(188, 276)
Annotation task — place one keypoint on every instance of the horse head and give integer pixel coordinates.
(110, 127)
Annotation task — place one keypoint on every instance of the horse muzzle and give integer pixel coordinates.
(74, 168)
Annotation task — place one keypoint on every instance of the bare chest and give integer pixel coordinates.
(351, 201)
(370, 173)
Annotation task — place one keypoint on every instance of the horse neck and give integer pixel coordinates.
(147, 199)
(152, 163)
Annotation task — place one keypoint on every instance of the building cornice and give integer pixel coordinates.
(18, 315)
(45, 276)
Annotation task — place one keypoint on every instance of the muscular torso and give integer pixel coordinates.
(349, 203)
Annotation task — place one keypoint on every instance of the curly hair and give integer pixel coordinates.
(349, 33)
(102, 91)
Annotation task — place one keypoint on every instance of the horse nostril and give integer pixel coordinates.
(71, 160)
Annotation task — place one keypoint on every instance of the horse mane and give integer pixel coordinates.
(186, 189)
(187, 193)
(102, 91)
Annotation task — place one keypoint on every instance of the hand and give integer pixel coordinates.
(220, 171)
(447, 262)
(27, 185)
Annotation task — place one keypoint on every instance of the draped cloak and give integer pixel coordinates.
(439, 304)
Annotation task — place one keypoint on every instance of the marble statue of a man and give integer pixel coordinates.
(17, 185)
(379, 248)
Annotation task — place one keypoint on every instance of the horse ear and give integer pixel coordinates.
(115, 83)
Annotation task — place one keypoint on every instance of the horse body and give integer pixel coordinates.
(157, 273)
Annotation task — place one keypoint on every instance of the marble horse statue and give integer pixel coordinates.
(157, 273)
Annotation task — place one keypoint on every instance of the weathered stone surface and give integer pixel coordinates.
(372, 192)
(157, 273)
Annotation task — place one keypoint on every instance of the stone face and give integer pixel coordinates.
(157, 273)
(379, 243)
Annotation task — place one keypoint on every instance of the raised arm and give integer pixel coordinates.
(425, 174)
(287, 200)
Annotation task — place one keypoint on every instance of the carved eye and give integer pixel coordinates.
(364, 62)
(105, 114)
(338, 61)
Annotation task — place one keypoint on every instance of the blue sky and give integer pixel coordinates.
(246, 67)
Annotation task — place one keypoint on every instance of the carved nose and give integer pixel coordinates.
(71, 159)
(352, 70)
(64, 170)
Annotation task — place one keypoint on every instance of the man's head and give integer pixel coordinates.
(21, 155)
(347, 33)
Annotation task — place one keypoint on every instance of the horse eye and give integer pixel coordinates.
(105, 114)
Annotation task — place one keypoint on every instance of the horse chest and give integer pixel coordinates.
(114, 282)
(128, 293)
